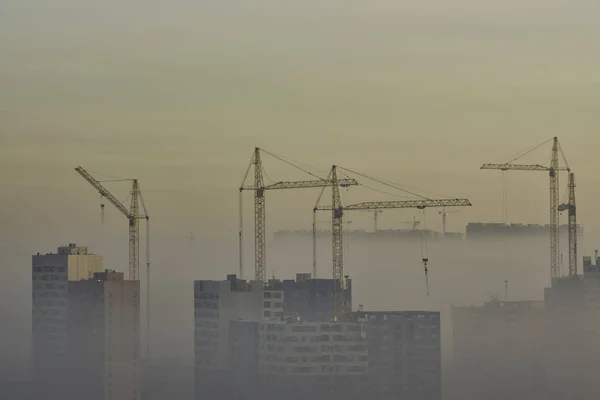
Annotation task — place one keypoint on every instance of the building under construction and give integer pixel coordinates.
(256, 340)
(545, 349)
(480, 230)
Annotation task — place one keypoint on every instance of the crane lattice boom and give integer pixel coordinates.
(520, 167)
(103, 191)
(419, 204)
(133, 216)
(304, 184)
(259, 188)
(338, 209)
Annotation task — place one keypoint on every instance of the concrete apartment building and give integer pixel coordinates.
(104, 337)
(85, 327)
(572, 356)
(379, 355)
(324, 360)
(50, 276)
(257, 341)
(404, 353)
(545, 349)
(496, 343)
(216, 303)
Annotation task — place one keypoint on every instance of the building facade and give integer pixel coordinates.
(51, 274)
(85, 328)
(404, 353)
(313, 360)
(216, 303)
(572, 356)
(497, 343)
(312, 299)
(104, 337)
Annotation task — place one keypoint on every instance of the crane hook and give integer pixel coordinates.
(101, 209)
(425, 262)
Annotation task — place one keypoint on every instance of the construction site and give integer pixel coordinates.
(257, 334)
(307, 338)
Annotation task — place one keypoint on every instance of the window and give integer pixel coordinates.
(331, 327)
(267, 304)
(356, 369)
(305, 349)
(267, 295)
(267, 314)
(304, 328)
(302, 370)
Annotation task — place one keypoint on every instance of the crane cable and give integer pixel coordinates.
(101, 208)
(424, 251)
(384, 183)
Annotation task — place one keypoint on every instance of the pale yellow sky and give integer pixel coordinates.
(178, 95)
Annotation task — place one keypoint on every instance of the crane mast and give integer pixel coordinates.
(134, 234)
(338, 209)
(554, 221)
(260, 240)
(572, 217)
(259, 188)
(337, 213)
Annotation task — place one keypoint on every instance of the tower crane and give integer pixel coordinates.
(259, 188)
(337, 212)
(572, 215)
(553, 171)
(133, 216)
(375, 220)
(415, 223)
(443, 213)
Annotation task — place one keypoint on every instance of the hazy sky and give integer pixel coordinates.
(178, 93)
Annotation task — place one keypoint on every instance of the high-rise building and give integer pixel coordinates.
(257, 341)
(104, 337)
(216, 303)
(50, 276)
(85, 328)
(379, 355)
(571, 356)
(496, 343)
(404, 352)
